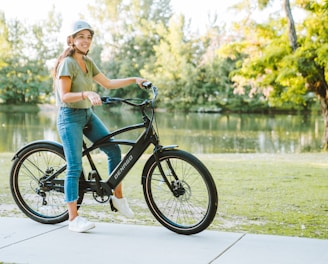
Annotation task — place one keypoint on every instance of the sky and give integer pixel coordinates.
(33, 10)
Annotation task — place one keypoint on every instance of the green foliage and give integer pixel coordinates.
(132, 26)
(155, 44)
(272, 68)
(24, 75)
(173, 68)
(249, 69)
(24, 82)
(4, 41)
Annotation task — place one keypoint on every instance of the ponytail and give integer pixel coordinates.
(69, 52)
(66, 53)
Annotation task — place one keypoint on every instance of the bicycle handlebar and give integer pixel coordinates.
(129, 101)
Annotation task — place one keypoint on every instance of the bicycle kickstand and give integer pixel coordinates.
(112, 207)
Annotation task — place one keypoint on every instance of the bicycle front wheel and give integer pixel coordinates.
(37, 183)
(185, 198)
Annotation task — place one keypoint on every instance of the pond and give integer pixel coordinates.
(197, 133)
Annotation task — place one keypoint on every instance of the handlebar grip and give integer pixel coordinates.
(105, 99)
(147, 85)
(109, 100)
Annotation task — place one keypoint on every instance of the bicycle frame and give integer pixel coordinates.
(147, 137)
(138, 147)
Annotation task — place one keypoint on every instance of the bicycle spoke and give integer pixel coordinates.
(37, 180)
(191, 205)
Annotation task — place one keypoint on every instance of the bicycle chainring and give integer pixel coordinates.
(100, 198)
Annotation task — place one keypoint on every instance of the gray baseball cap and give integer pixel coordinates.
(80, 25)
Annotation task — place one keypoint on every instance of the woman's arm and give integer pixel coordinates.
(117, 83)
(67, 96)
(64, 86)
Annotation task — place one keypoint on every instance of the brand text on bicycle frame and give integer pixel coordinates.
(122, 168)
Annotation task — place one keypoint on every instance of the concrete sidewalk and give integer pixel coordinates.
(25, 241)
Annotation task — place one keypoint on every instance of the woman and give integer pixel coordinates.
(74, 75)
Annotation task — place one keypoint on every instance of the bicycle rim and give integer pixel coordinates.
(41, 200)
(195, 207)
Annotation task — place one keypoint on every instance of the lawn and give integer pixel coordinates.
(280, 194)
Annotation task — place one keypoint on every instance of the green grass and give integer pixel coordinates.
(280, 194)
(272, 194)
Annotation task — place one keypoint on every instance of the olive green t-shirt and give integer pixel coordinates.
(81, 81)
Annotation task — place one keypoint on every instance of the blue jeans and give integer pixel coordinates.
(72, 124)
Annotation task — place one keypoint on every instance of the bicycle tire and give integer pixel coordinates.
(195, 209)
(41, 201)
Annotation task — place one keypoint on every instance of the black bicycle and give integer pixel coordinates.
(179, 190)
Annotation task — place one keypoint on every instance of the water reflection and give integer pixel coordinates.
(198, 133)
(208, 133)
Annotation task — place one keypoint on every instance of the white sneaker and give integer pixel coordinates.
(121, 204)
(80, 224)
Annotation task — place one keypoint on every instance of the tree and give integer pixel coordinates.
(312, 56)
(130, 28)
(174, 66)
(25, 74)
(285, 67)
(144, 38)
(4, 43)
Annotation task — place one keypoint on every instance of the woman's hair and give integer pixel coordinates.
(69, 52)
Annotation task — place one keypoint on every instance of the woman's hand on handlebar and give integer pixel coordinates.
(143, 83)
(93, 97)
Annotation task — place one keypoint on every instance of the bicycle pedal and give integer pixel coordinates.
(112, 207)
(92, 175)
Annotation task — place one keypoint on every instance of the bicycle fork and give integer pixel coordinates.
(175, 186)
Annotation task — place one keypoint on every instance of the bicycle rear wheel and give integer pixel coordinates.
(37, 183)
(192, 206)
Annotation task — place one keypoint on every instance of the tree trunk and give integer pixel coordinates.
(324, 109)
(291, 25)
